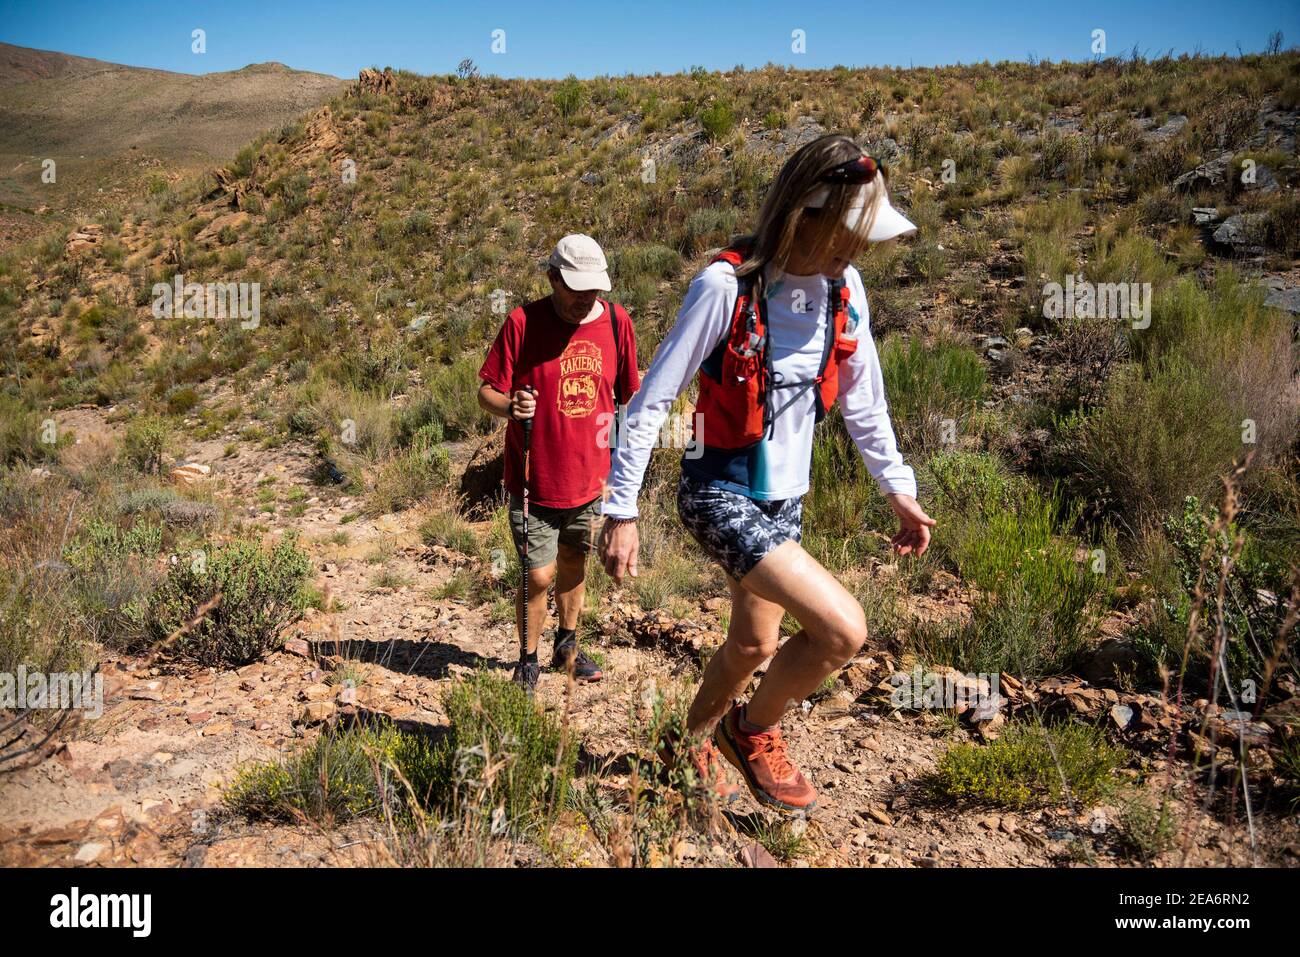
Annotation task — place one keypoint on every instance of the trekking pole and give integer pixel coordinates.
(527, 425)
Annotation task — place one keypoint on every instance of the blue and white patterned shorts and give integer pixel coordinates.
(736, 530)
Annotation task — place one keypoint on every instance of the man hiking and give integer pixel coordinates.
(564, 363)
(778, 329)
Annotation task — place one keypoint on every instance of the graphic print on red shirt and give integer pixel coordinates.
(572, 368)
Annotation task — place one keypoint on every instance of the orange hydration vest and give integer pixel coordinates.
(737, 386)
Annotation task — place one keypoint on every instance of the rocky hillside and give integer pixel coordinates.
(1138, 612)
(119, 131)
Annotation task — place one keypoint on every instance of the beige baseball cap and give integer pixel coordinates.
(581, 262)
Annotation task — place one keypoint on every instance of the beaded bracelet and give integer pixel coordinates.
(620, 521)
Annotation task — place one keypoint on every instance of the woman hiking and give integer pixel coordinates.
(777, 327)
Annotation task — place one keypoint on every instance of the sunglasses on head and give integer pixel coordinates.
(863, 169)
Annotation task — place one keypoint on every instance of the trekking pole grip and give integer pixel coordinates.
(527, 424)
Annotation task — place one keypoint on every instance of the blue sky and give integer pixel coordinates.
(617, 36)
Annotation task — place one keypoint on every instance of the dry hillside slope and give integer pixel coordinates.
(112, 127)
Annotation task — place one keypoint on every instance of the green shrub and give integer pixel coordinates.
(341, 776)
(1282, 227)
(412, 475)
(1031, 764)
(181, 400)
(22, 434)
(261, 590)
(1159, 437)
(1145, 832)
(503, 752)
(101, 543)
(502, 762)
(843, 504)
(445, 527)
(717, 120)
(929, 388)
(1254, 612)
(145, 441)
(568, 97)
(454, 389)
(654, 261)
(39, 625)
(1036, 605)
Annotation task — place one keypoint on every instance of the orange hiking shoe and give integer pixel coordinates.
(708, 764)
(762, 759)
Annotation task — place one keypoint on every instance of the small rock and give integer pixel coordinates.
(756, 855)
(1122, 715)
(1168, 130)
(298, 646)
(1240, 230)
(316, 712)
(89, 852)
(877, 814)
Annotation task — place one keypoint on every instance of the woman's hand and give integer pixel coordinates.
(913, 525)
(618, 547)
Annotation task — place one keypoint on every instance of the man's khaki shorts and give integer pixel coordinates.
(548, 527)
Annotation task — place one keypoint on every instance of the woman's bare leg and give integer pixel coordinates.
(833, 629)
(752, 636)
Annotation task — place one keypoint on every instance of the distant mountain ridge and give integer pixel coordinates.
(111, 128)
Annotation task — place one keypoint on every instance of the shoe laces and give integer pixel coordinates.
(772, 744)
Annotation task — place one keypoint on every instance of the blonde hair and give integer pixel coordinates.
(783, 211)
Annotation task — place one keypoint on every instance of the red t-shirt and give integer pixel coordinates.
(571, 367)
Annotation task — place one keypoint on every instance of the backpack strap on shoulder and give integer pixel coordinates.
(837, 303)
(618, 354)
(744, 304)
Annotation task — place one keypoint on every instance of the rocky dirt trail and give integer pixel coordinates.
(142, 784)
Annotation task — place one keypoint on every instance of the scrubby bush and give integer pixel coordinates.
(1031, 764)
(1254, 613)
(928, 386)
(113, 571)
(342, 775)
(261, 590)
(413, 474)
(502, 751)
(1162, 434)
(22, 434)
(717, 120)
(502, 761)
(145, 442)
(1037, 604)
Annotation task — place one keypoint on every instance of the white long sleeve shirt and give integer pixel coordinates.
(779, 466)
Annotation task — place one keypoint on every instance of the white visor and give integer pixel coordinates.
(888, 224)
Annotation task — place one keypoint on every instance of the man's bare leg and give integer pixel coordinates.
(539, 580)
(570, 585)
